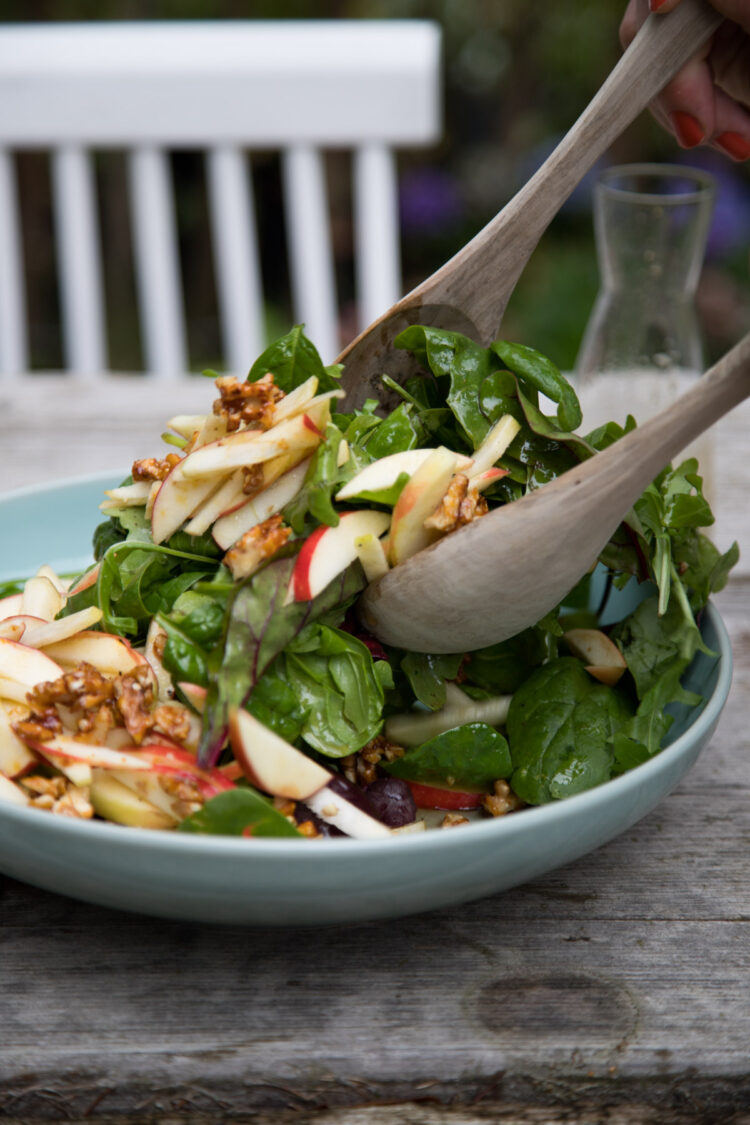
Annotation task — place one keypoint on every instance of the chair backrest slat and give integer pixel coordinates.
(14, 354)
(236, 257)
(79, 262)
(310, 249)
(157, 262)
(376, 232)
(151, 88)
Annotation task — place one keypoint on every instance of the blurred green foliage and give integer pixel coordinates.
(516, 76)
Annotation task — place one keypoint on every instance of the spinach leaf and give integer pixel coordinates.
(470, 757)
(561, 725)
(238, 812)
(332, 676)
(292, 359)
(427, 674)
(258, 627)
(501, 668)
(395, 433)
(542, 374)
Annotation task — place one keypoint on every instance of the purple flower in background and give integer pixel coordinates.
(430, 201)
(730, 224)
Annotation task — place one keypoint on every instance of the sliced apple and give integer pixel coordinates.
(26, 666)
(178, 498)
(41, 598)
(86, 580)
(412, 728)
(296, 400)
(173, 760)
(77, 772)
(278, 768)
(90, 753)
(110, 654)
(435, 797)
(127, 496)
(329, 550)
(494, 445)
(252, 447)
(116, 802)
(419, 499)
(231, 527)
(39, 634)
(155, 641)
(195, 695)
(371, 553)
(15, 756)
(11, 606)
(13, 628)
(271, 763)
(486, 478)
(229, 496)
(187, 424)
(11, 794)
(381, 475)
(602, 657)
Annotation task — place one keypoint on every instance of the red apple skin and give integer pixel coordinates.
(174, 760)
(433, 797)
(302, 591)
(88, 580)
(310, 425)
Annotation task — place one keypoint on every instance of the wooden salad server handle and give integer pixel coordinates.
(469, 293)
(503, 572)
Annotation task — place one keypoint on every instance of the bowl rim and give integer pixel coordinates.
(305, 851)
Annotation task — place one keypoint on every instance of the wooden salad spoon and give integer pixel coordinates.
(469, 293)
(500, 574)
(496, 576)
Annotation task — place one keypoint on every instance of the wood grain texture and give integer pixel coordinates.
(617, 985)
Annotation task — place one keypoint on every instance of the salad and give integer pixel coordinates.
(209, 673)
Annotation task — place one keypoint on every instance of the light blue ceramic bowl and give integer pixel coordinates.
(290, 882)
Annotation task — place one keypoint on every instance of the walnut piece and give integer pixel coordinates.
(502, 801)
(453, 820)
(255, 546)
(247, 404)
(151, 468)
(460, 505)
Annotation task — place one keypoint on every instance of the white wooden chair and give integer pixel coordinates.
(226, 87)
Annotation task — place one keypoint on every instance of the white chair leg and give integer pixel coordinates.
(376, 232)
(14, 357)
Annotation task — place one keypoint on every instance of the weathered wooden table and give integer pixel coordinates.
(614, 990)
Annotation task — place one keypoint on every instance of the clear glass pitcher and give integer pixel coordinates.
(642, 345)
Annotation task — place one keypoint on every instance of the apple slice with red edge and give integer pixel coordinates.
(26, 666)
(276, 767)
(435, 797)
(252, 447)
(266, 503)
(110, 654)
(486, 478)
(90, 753)
(330, 550)
(38, 633)
(418, 500)
(86, 580)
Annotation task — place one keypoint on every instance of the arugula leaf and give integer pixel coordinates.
(238, 812)
(292, 359)
(470, 757)
(560, 728)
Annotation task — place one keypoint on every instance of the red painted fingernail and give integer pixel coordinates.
(737, 147)
(656, 4)
(689, 131)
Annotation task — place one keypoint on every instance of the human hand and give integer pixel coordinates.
(708, 102)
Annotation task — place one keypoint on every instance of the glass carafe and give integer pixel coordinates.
(642, 346)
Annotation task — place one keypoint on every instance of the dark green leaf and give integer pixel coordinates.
(470, 757)
(238, 812)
